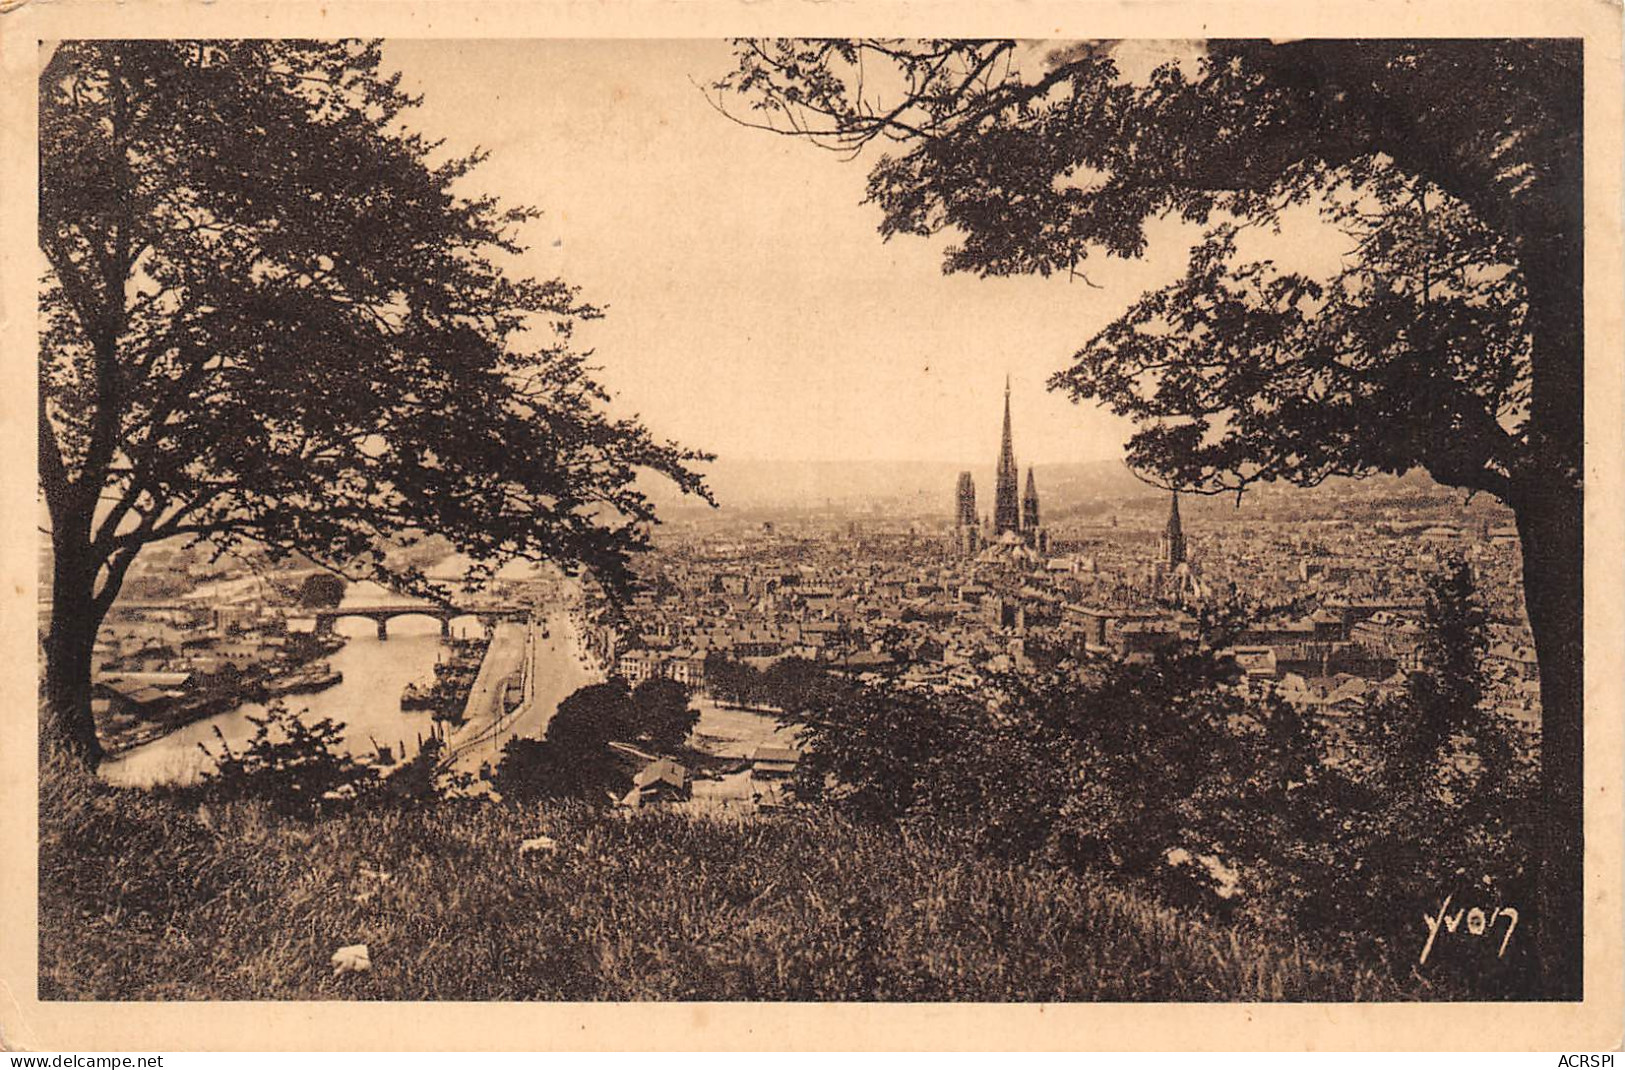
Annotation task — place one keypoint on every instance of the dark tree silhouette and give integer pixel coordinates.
(531, 769)
(321, 589)
(871, 752)
(590, 717)
(661, 713)
(270, 315)
(793, 684)
(578, 737)
(732, 680)
(1450, 341)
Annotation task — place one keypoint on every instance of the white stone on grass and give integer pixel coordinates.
(545, 845)
(351, 959)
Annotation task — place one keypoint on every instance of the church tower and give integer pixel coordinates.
(1006, 508)
(1029, 504)
(1171, 546)
(965, 502)
(966, 530)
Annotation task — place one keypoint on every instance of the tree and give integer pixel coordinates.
(1448, 693)
(1451, 792)
(873, 752)
(321, 590)
(578, 739)
(591, 716)
(272, 316)
(793, 684)
(1450, 341)
(1152, 758)
(574, 759)
(732, 680)
(661, 713)
(530, 770)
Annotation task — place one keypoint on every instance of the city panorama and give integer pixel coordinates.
(810, 520)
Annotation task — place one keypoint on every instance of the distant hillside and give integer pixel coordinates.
(1068, 491)
(914, 487)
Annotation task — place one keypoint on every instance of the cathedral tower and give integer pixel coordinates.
(1171, 546)
(1006, 508)
(967, 530)
(965, 502)
(1029, 503)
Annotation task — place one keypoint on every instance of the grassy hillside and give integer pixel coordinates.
(142, 898)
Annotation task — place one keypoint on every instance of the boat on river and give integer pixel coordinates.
(315, 677)
(416, 697)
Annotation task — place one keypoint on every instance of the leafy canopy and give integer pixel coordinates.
(273, 313)
(1448, 339)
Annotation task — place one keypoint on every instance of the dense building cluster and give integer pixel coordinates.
(1323, 609)
(1325, 613)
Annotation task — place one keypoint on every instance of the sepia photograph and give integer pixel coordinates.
(814, 519)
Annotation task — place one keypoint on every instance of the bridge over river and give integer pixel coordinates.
(487, 615)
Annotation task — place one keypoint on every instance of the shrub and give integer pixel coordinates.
(1165, 774)
(421, 781)
(874, 752)
(297, 767)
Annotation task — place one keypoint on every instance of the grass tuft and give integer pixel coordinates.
(143, 897)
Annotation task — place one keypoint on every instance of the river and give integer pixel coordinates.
(367, 701)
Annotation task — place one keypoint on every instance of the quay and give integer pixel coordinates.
(550, 654)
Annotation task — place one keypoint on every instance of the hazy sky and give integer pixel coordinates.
(752, 308)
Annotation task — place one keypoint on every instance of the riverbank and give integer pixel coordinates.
(506, 663)
(366, 702)
(139, 704)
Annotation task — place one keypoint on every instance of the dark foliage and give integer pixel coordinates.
(795, 684)
(791, 684)
(531, 769)
(576, 746)
(422, 781)
(872, 752)
(731, 680)
(1165, 775)
(575, 760)
(591, 716)
(297, 767)
(321, 590)
(1450, 339)
(660, 714)
(271, 317)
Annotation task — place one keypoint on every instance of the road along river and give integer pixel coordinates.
(555, 664)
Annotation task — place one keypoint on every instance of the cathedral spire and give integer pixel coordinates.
(965, 502)
(1173, 536)
(1006, 507)
(1007, 452)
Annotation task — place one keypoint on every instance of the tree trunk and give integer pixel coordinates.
(69, 647)
(1550, 526)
